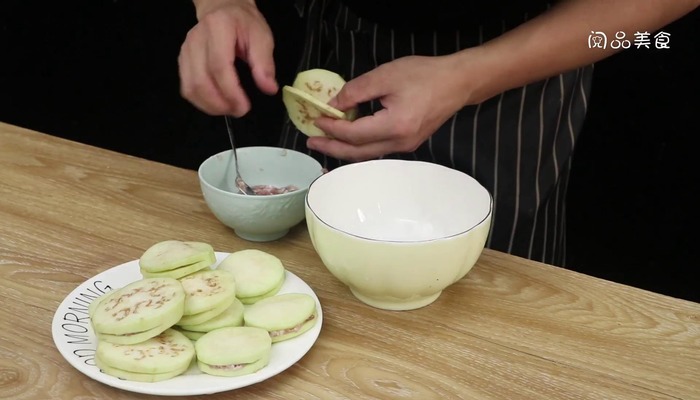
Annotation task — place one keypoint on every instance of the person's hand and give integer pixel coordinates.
(418, 95)
(227, 29)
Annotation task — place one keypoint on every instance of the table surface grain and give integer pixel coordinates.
(511, 329)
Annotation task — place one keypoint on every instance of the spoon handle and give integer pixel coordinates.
(240, 183)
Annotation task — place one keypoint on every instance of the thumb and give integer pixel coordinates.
(356, 91)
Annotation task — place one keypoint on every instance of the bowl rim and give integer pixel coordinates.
(361, 237)
(266, 197)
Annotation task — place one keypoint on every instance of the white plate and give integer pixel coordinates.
(75, 339)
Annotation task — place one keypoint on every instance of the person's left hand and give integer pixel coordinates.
(418, 95)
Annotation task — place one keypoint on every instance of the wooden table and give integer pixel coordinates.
(511, 329)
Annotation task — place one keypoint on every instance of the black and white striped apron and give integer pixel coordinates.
(518, 145)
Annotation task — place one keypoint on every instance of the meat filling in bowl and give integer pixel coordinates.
(264, 190)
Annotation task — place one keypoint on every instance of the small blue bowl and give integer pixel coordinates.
(260, 218)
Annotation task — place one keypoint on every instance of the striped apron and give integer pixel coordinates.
(519, 144)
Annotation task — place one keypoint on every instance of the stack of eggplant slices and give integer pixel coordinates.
(183, 309)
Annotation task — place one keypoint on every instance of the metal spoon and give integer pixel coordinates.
(239, 182)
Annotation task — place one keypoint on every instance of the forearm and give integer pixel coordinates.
(557, 40)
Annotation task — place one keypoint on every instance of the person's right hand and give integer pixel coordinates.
(227, 29)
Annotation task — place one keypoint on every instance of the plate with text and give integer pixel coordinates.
(76, 341)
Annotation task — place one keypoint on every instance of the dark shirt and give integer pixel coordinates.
(416, 15)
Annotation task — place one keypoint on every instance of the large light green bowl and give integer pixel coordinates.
(258, 218)
(397, 233)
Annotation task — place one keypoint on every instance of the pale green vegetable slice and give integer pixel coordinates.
(284, 316)
(307, 99)
(172, 254)
(232, 370)
(320, 83)
(207, 290)
(233, 351)
(204, 316)
(139, 306)
(255, 299)
(136, 376)
(192, 335)
(96, 302)
(323, 85)
(137, 337)
(170, 351)
(232, 316)
(178, 273)
(256, 272)
(294, 331)
(132, 338)
(304, 109)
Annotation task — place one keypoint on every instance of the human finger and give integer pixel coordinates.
(196, 85)
(371, 128)
(361, 89)
(261, 61)
(346, 151)
(220, 56)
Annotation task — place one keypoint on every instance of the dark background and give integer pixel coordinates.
(105, 73)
